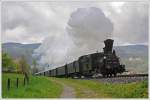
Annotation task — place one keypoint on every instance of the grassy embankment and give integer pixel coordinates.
(39, 87)
(94, 89)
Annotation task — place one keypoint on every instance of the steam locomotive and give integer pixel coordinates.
(106, 63)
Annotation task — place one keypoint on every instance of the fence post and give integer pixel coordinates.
(17, 81)
(8, 84)
(27, 80)
(24, 81)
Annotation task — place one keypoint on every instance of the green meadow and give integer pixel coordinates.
(38, 87)
(95, 89)
(48, 87)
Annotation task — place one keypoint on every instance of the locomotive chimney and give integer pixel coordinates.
(108, 46)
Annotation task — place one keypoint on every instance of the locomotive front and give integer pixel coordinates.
(111, 64)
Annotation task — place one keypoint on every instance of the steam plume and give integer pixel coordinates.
(87, 28)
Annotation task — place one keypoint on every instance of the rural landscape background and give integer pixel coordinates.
(135, 57)
(38, 36)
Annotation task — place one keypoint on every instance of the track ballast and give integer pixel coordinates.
(121, 78)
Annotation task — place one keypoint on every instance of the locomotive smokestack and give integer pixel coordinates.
(108, 46)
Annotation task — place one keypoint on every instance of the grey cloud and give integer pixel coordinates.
(31, 17)
(131, 24)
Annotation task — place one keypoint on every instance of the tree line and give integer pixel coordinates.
(18, 65)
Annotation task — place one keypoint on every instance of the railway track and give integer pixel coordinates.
(133, 75)
(121, 78)
(118, 76)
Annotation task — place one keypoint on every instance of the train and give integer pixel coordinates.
(105, 63)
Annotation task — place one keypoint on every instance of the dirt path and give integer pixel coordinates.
(75, 90)
(83, 92)
(68, 91)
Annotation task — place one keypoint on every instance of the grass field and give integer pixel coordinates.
(46, 87)
(39, 87)
(94, 89)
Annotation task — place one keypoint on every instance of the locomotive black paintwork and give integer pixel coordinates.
(106, 63)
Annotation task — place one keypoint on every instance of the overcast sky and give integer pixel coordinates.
(62, 27)
(30, 22)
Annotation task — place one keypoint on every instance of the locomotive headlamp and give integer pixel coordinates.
(104, 57)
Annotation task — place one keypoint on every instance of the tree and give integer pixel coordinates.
(24, 67)
(17, 65)
(34, 70)
(7, 62)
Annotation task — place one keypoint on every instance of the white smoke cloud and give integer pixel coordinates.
(54, 50)
(86, 30)
(89, 26)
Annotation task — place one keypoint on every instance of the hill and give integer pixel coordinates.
(18, 49)
(132, 50)
(135, 57)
